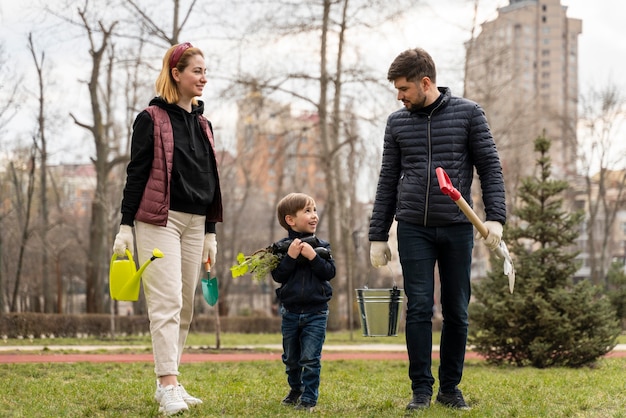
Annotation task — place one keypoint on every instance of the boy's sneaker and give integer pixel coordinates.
(306, 407)
(292, 398)
(419, 401)
(189, 400)
(171, 401)
(453, 400)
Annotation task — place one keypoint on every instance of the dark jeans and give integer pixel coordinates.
(419, 248)
(303, 338)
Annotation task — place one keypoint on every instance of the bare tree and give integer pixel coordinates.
(602, 162)
(9, 85)
(42, 147)
(24, 215)
(99, 129)
(9, 90)
(154, 30)
(323, 26)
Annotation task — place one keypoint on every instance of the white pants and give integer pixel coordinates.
(170, 283)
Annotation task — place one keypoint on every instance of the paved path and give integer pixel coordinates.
(41, 354)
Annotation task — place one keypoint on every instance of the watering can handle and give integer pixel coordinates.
(127, 253)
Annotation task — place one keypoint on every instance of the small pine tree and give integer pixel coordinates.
(548, 320)
(617, 288)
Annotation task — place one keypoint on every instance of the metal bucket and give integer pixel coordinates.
(380, 311)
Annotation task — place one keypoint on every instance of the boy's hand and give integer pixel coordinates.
(294, 248)
(307, 251)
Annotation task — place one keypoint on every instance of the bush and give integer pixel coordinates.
(15, 325)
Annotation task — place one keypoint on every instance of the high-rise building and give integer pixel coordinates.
(523, 69)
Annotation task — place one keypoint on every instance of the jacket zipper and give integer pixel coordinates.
(430, 162)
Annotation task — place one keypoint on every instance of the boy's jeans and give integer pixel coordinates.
(303, 338)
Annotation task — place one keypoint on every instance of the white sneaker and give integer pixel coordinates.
(189, 400)
(171, 401)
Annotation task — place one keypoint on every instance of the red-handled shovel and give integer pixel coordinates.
(502, 252)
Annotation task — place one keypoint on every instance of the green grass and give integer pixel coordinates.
(355, 388)
(227, 340)
(350, 388)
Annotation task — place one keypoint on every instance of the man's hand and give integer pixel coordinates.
(380, 253)
(124, 240)
(495, 234)
(209, 250)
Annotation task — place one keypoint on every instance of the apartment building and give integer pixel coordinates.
(279, 148)
(523, 69)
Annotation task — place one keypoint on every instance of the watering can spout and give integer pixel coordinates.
(156, 253)
(124, 278)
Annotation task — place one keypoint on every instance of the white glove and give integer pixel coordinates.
(494, 236)
(123, 240)
(380, 253)
(209, 250)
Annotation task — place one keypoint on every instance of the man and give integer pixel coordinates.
(434, 129)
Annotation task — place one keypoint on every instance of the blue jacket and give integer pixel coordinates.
(455, 135)
(305, 286)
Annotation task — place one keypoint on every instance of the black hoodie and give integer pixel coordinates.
(193, 172)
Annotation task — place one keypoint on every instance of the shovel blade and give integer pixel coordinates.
(210, 290)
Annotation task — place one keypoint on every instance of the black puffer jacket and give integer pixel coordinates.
(455, 135)
(305, 286)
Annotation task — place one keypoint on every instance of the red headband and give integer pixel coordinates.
(178, 52)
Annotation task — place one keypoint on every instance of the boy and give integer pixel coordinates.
(304, 273)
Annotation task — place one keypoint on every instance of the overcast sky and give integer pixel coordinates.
(441, 28)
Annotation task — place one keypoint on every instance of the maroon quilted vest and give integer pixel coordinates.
(155, 202)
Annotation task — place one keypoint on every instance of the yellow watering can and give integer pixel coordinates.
(124, 278)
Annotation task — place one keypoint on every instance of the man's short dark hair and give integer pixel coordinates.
(414, 64)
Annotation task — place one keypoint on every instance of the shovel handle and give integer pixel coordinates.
(449, 190)
(474, 219)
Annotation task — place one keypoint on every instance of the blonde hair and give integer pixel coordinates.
(290, 205)
(165, 84)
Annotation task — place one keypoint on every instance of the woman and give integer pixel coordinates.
(172, 197)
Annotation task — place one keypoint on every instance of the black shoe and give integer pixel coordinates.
(292, 399)
(306, 407)
(419, 401)
(453, 400)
